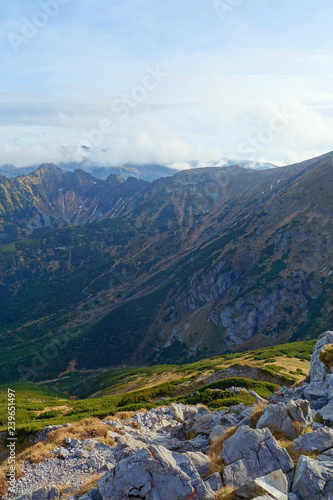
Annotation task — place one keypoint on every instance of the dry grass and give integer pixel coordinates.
(326, 356)
(118, 431)
(64, 410)
(3, 477)
(299, 428)
(189, 435)
(108, 440)
(86, 428)
(216, 462)
(289, 365)
(293, 452)
(85, 487)
(318, 418)
(134, 425)
(123, 415)
(258, 411)
(226, 494)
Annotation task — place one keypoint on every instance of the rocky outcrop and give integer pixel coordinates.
(313, 480)
(288, 419)
(154, 473)
(318, 371)
(320, 440)
(275, 485)
(162, 454)
(249, 454)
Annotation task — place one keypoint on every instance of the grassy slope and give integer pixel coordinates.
(108, 392)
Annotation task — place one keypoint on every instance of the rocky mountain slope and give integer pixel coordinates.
(279, 446)
(208, 261)
(50, 198)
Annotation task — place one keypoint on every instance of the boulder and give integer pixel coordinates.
(74, 443)
(182, 412)
(276, 418)
(286, 394)
(313, 480)
(96, 462)
(317, 394)
(113, 435)
(264, 497)
(281, 417)
(82, 453)
(199, 443)
(63, 452)
(200, 462)
(203, 424)
(300, 411)
(94, 494)
(320, 440)
(318, 371)
(89, 444)
(252, 453)
(104, 449)
(330, 387)
(326, 413)
(217, 431)
(326, 455)
(214, 481)
(274, 484)
(127, 446)
(154, 473)
(46, 493)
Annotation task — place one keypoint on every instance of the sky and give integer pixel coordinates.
(165, 80)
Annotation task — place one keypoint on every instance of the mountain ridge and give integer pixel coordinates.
(205, 262)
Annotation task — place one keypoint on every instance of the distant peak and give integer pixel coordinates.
(48, 167)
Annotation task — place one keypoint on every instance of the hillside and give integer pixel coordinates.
(206, 262)
(220, 383)
(74, 396)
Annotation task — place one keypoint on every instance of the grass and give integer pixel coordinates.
(4, 470)
(132, 389)
(36, 453)
(226, 493)
(257, 413)
(216, 463)
(84, 488)
(86, 428)
(294, 453)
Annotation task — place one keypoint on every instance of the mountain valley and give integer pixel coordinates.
(100, 274)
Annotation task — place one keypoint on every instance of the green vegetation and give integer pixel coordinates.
(301, 350)
(104, 393)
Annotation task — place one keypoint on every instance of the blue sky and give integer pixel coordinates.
(244, 79)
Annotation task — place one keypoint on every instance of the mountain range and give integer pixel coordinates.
(146, 172)
(108, 273)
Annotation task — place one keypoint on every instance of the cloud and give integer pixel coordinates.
(228, 81)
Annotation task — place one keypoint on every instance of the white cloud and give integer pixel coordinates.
(227, 82)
